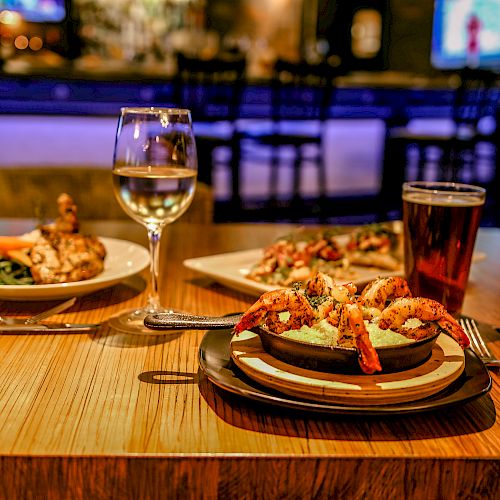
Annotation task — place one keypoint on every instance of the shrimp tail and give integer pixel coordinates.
(249, 320)
(451, 326)
(367, 355)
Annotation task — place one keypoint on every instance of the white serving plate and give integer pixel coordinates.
(231, 269)
(123, 259)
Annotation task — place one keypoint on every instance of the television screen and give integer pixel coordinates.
(37, 11)
(466, 34)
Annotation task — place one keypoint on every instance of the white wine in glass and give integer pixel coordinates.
(154, 180)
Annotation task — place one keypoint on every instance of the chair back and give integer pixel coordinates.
(212, 88)
(302, 91)
(473, 100)
(467, 154)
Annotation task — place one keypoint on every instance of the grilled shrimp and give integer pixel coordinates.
(342, 311)
(266, 311)
(352, 331)
(451, 326)
(376, 293)
(370, 313)
(426, 310)
(322, 284)
(327, 297)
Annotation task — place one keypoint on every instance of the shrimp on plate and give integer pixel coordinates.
(267, 311)
(297, 257)
(322, 298)
(377, 292)
(67, 220)
(289, 309)
(352, 331)
(323, 284)
(432, 314)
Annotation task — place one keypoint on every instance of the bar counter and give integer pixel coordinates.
(71, 91)
(108, 415)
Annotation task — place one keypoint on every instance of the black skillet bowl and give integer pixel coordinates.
(303, 354)
(393, 358)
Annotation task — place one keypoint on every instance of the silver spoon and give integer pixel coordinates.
(38, 317)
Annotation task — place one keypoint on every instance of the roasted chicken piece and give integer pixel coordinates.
(67, 221)
(63, 257)
(61, 254)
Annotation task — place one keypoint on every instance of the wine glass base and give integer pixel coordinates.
(132, 321)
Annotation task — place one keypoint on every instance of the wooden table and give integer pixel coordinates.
(110, 416)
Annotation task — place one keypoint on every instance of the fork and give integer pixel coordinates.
(38, 317)
(478, 345)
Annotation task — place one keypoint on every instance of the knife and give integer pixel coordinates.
(50, 328)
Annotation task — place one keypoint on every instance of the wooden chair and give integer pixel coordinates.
(465, 153)
(300, 92)
(32, 193)
(212, 89)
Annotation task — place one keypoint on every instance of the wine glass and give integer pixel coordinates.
(154, 180)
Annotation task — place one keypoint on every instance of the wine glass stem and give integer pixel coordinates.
(154, 236)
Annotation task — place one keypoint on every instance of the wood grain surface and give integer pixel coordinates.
(121, 416)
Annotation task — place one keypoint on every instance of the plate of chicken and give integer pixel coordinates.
(56, 261)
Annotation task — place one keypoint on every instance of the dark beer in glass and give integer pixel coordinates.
(441, 220)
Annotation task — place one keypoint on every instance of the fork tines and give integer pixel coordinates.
(477, 343)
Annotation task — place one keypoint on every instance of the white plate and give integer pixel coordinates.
(230, 269)
(123, 259)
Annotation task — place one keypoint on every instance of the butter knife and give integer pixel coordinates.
(49, 328)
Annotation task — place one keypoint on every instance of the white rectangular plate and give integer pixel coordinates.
(230, 270)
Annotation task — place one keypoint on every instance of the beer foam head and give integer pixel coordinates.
(445, 199)
(449, 194)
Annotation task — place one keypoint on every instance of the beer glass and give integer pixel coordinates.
(441, 220)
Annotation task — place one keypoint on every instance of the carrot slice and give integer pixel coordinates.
(21, 256)
(8, 243)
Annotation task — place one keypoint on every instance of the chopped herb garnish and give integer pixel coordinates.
(316, 300)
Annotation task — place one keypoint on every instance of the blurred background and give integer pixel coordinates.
(304, 110)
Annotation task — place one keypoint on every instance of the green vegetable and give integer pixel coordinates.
(14, 273)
